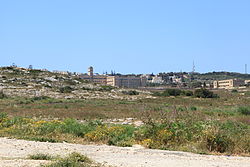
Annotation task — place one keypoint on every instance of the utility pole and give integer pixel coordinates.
(245, 68)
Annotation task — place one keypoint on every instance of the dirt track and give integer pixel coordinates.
(13, 153)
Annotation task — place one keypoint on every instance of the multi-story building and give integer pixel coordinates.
(98, 79)
(157, 80)
(176, 79)
(126, 81)
(228, 84)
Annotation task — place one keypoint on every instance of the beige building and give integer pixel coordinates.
(98, 79)
(247, 82)
(126, 81)
(157, 80)
(228, 84)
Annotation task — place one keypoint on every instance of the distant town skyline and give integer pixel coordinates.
(111, 71)
(126, 36)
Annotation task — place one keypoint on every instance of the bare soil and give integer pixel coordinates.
(14, 153)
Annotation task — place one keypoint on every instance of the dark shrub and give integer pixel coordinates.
(86, 88)
(70, 82)
(2, 95)
(219, 143)
(41, 156)
(42, 139)
(234, 91)
(157, 94)
(195, 84)
(193, 108)
(106, 88)
(130, 92)
(47, 86)
(244, 110)
(40, 98)
(3, 116)
(66, 89)
(204, 93)
(188, 93)
(172, 92)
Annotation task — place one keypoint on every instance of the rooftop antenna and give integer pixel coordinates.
(245, 68)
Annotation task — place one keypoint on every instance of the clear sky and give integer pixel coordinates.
(128, 36)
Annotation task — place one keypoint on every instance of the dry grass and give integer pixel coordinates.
(102, 109)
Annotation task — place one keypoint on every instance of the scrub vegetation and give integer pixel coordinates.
(72, 160)
(187, 123)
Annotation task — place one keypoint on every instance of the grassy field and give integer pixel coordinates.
(100, 108)
(201, 125)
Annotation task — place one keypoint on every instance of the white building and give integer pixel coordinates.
(157, 80)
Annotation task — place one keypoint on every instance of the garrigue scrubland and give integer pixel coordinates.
(44, 106)
(218, 125)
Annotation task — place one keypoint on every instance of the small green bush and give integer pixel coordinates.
(86, 88)
(247, 93)
(41, 156)
(40, 98)
(73, 160)
(35, 72)
(73, 127)
(106, 88)
(2, 95)
(130, 92)
(66, 89)
(219, 143)
(42, 139)
(244, 110)
(193, 108)
(79, 158)
(70, 82)
(172, 92)
(188, 93)
(47, 86)
(3, 116)
(204, 93)
(234, 91)
(157, 94)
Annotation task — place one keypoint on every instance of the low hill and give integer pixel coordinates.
(15, 81)
(221, 76)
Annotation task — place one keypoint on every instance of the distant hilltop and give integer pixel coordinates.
(43, 84)
(169, 79)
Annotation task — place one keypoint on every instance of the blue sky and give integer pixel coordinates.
(128, 36)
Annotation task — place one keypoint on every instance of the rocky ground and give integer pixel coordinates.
(14, 153)
(23, 82)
